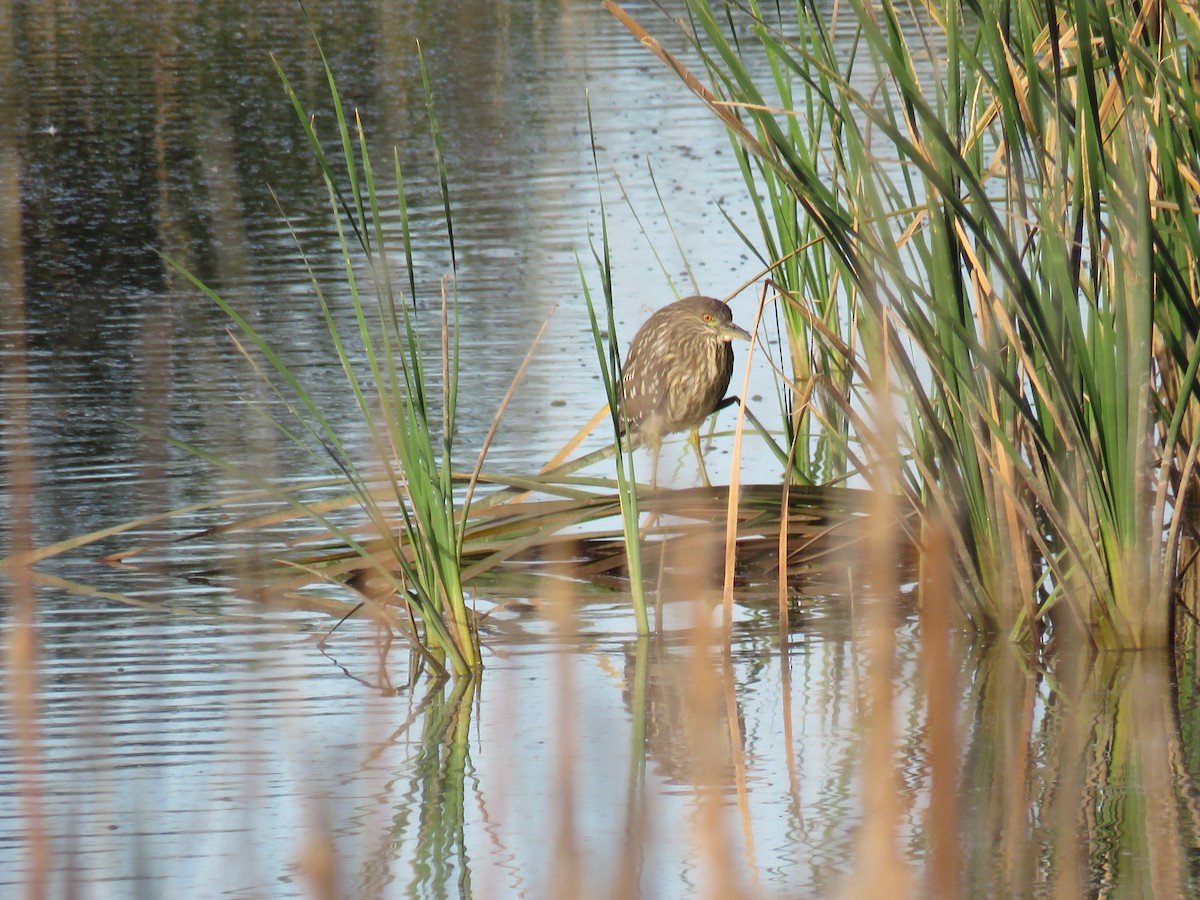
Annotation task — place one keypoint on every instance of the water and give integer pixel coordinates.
(194, 742)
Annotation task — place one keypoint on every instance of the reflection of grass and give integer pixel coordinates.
(1005, 254)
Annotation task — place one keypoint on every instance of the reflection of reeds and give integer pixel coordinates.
(19, 486)
(1079, 790)
(698, 707)
(940, 682)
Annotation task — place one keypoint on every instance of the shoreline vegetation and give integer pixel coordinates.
(995, 269)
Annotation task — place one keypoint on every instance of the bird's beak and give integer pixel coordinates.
(728, 331)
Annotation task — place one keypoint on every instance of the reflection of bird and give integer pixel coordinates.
(677, 371)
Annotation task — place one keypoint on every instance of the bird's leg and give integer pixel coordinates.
(694, 440)
(655, 443)
(655, 452)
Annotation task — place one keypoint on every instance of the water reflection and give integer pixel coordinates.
(587, 757)
(166, 129)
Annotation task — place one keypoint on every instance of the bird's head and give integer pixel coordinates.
(717, 320)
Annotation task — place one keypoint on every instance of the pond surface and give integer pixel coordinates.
(193, 742)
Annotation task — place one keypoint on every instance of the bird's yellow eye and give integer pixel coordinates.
(708, 317)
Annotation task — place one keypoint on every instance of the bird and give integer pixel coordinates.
(676, 372)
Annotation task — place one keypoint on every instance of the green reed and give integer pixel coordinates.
(1001, 202)
(406, 487)
(394, 398)
(609, 360)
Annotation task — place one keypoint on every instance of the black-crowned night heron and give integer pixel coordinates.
(677, 372)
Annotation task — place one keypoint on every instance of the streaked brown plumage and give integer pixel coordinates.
(677, 371)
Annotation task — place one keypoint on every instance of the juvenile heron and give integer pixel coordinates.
(677, 371)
